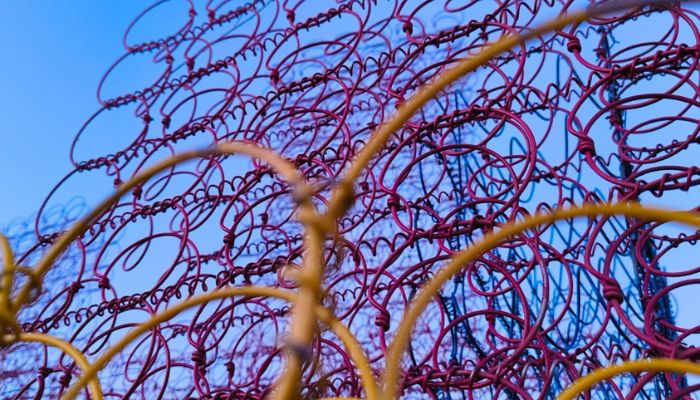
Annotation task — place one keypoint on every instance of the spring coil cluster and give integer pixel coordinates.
(602, 111)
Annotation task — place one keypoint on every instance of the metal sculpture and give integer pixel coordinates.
(332, 264)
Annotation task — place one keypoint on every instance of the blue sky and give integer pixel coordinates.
(55, 52)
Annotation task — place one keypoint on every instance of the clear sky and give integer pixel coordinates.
(54, 54)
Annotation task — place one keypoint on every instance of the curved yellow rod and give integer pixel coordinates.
(325, 315)
(8, 273)
(279, 164)
(8, 320)
(91, 372)
(303, 320)
(356, 352)
(303, 315)
(67, 348)
(652, 365)
(490, 241)
(341, 198)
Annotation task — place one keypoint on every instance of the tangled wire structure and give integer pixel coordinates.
(21, 235)
(335, 233)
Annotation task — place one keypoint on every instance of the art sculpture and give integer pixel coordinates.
(386, 199)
